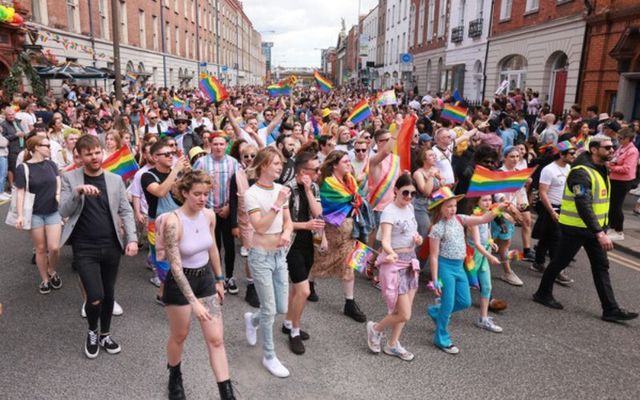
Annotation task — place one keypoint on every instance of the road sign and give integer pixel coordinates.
(406, 58)
(225, 68)
(203, 64)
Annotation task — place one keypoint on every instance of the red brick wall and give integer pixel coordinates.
(547, 10)
(436, 42)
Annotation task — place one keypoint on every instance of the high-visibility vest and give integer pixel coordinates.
(600, 192)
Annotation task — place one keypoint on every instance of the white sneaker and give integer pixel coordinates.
(244, 252)
(373, 338)
(615, 236)
(250, 331)
(512, 279)
(117, 309)
(4, 196)
(488, 324)
(635, 192)
(275, 367)
(155, 281)
(83, 313)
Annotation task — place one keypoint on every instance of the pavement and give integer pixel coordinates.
(631, 242)
(542, 354)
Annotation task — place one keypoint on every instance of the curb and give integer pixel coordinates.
(626, 250)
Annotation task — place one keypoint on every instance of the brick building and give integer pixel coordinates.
(161, 41)
(537, 44)
(611, 70)
(428, 44)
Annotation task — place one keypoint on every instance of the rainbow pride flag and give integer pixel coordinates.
(516, 255)
(403, 142)
(387, 98)
(485, 181)
(178, 103)
(323, 83)
(279, 89)
(122, 162)
(359, 256)
(339, 198)
(360, 112)
(211, 87)
(454, 114)
(131, 77)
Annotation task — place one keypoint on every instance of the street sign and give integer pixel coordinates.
(406, 58)
(225, 68)
(203, 64)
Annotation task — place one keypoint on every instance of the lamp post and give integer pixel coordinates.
(164, 49)
(115, 26)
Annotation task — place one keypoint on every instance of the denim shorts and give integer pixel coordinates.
(39, 220)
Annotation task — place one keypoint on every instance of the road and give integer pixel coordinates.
(542, 354)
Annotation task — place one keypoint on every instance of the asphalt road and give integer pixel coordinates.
(542, 354)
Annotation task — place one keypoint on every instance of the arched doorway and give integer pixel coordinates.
(513, 69)
(556, 70)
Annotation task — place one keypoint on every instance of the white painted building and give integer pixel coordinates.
(467, 46)
(369, 43)
(396, 40)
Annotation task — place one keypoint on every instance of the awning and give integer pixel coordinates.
(71, 70)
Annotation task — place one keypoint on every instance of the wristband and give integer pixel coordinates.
(275, 208)
(219, 278)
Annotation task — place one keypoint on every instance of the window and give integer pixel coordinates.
(39, 12)
(505, 9)
(154, 27)
(193, 10)
(175, 5)
(461, 6)
(480, 10)
(406, 6)
(399, 10)
(532, 5)
(193, 46)
(73, 16)
(432, 19)
(177, 41)
(167, 37)
(398, 44)
(104, 19)
(187, 48)
(404, 42)
(392, 52)
(142, 24)
(393, 15)
(442, 17)
(124, 32)
(412, 26)
(514, 70)
(421, 22)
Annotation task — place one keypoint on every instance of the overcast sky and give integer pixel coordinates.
(301, 26)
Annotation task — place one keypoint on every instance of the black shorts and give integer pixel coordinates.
(299, 263)
(201, 282)
(12, 160)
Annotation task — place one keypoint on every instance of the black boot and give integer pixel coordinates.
(176, 391)
(226, 390)
(251, 296)
(313, 296)
(352, 310)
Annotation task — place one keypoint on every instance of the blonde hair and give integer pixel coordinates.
(188, 181)
(116, 136)
(264, 158)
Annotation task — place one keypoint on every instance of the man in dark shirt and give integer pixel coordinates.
(286, 145)
(96, 205)
(12, 131)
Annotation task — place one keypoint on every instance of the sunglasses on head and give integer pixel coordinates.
(408, 193)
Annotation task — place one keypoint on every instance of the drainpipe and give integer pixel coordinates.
(486, 53)
(164, 49)
(588, 8)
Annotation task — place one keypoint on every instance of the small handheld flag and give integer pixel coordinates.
(403, 142)
(454, 114)
(212, 88)
(387, 98)
(122, 163)
(485, 181)
(279, 89)
(323, 83)
(359, 256)
(360, 112)
(131, 77)
(178, 103)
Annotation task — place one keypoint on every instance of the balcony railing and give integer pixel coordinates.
(475, 28)
(457, 34)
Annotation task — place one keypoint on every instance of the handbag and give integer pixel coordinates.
(27, 207)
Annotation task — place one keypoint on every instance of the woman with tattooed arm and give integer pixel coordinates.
(193, 255)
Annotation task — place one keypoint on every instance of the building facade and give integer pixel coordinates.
(611, 69)
(396, 42)
(538, 45)
(467, 46)
(368, 47)
(163, 42)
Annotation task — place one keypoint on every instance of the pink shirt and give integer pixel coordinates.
(626, 162)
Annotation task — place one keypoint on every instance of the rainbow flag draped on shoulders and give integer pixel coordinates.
(323, 83)
(211, 88)
(390, 172)
(360, 112)
(122, 163)
(359, 256)
(339, 198)
(485, 181)
(454, 114)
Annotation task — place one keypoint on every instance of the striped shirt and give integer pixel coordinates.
(220, 172)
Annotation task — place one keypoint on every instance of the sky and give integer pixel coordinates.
(302, 27)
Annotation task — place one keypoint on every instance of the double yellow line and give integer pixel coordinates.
(624, 261)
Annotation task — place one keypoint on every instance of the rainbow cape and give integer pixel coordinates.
(360, 112)
(359, 256)
(403, 142)
(338, 198)
(485, 181)
(212, 88)
(323, 83)
(122, 163)
(279, 89)
(454, 114)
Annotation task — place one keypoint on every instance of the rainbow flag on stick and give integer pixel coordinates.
(516, 255)
(387, 98)
(403, 142)
(485, 181)
(122, 163)
(323, 83)
(131, 77)
(359, 256)
(279, 89)
(178, 103)
(212, 88)
(454, 114)
(360, 112)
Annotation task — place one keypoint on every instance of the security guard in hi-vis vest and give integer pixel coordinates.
(583, 222)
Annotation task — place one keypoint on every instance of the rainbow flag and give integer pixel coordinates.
(360, 112)
(454, 114)
(485, 181)
(376, 194)
(212, 88)
(403, 142)
(516, 255)
(323, 83)
(131, 77)
(339, 198)
(387, 98)
(178, 103)
(122, 163)
(359, 256)
(279, 89)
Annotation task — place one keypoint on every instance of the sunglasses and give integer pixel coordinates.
(408, 193)
(167, 154)
(48, 146)
(609, 147)
(316, 170)
(251, 156)
(384, 140)
(366, 137)
(360, 150)
(171, 145)
(572, 153)
(181, 122)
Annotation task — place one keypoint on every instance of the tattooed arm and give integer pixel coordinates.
(172, 240)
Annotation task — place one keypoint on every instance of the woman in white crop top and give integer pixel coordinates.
(193, 255)
(267, 204)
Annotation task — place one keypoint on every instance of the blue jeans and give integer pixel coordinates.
(456, 296)
(271, 279)
(4, 169)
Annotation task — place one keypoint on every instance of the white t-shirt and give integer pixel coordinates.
(262, 133)
(135, 189)
(258, 198)
(555, 176)
(403, 225)
(204, 121)
(443, 163)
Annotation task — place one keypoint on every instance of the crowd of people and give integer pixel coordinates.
(293, 184)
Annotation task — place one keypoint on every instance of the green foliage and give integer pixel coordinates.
(22, 68)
